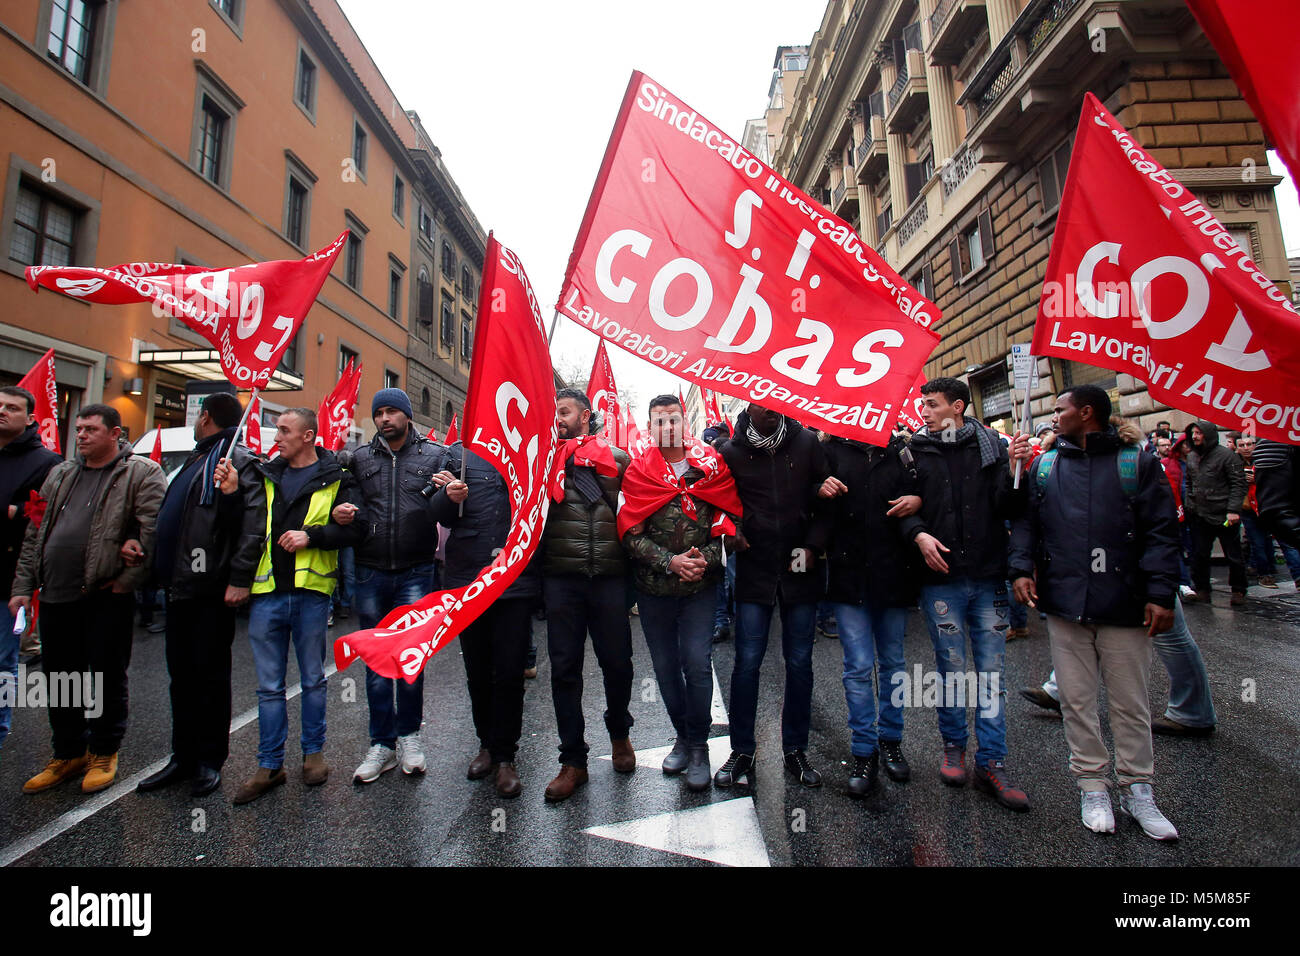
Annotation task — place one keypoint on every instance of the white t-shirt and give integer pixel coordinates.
(679, 467)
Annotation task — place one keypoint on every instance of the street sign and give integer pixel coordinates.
(1024, 367)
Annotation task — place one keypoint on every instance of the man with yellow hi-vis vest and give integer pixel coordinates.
(291, 593)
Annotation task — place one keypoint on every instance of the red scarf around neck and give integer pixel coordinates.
(650, 483)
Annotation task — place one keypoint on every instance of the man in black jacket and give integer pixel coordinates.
(585, 586)
(495, 646)
(965, 482)
(205, 554)
(1101, 533)
(1277, 490)
(780, 470)
(24, 463)
(871, 583)
(1216, 489)
(394, 567)
(292, 587)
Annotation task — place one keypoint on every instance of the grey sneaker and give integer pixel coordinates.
(1096, 811)
(678, 759)
(697, 773)
(409, 754)
(1138, 802)
(379, 759)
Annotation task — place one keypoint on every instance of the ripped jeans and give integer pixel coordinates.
(954, 610)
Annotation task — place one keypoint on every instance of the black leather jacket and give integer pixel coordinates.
(400, 528)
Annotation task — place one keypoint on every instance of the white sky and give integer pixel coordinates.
(520, 97)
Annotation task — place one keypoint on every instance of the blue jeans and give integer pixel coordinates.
(1260, 543)
(976, 608)
(753, 621)
(1189, 685)
(274, 620)
(726, 591)
(8, 669)
(376, 593)
(872, 634)
(681, 647)
(346, 590)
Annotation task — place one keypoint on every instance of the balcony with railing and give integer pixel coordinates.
(908, 97)
(844, 198)
(883, 221)
(871, 158)
(957, 170)
(952, 26)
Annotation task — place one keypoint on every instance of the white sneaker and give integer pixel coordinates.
(409, 754)
(1097, 814)
(379, 759)
(1185, 590)
(1139, 803)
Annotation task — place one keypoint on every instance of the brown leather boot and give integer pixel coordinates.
(508, 784)
(568, 780)
(57, 771)
(624, 756)
(480, 766)
(315, 770)
(1238, 599)
(260, 783)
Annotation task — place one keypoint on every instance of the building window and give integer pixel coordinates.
(448, 261)
(395, 294)
(392, 379)
(972, 249)
(359, 148)
(923, 282)
(72, 36)
(44, 230)
(466, 336)
(424, 304)
(297, 202)
(347, 355)
(352, 261)
(304, 88)
(1051, 176)
(426, 403)
(448, 413)
(399, 199)
(448, 330)
(289, 361)
(212, 140)
(425, 223)
(213, 136)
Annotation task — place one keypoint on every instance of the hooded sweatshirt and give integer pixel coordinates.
(1216, 477)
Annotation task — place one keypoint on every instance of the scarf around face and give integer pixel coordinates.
(985, 438)
(768, 443)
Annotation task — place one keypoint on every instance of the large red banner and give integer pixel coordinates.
(619, 427)
(338, 408)
(509, 421)
(700, 259)
(249, 313)
(1143, 279)
(1258, 43)
(41, 383)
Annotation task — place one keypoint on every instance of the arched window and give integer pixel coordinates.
(426, 403)
(447, 414)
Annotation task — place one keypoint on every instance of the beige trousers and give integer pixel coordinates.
(1084, 656)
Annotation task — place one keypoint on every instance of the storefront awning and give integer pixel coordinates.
(205, 366)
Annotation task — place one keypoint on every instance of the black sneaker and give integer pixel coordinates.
(828, 628)
(895, 763)
(796, 761)
(863, 777)
(721, 633)
(1040, 697)
(738, 766)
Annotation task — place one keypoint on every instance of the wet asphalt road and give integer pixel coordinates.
(1232, 796)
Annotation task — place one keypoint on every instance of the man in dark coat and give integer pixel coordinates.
(871, 583)
(24, 463)
(1277, 490)
(964, 476)
(1097, 550)
(779, 469)
(1216, 490)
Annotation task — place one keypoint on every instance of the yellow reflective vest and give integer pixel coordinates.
(313, 568)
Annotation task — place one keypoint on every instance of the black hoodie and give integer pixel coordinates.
(1216, 477)
(24, 463)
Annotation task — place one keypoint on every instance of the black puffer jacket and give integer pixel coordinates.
(24, 463)
(779, 495)
(1277, 489)
(988, 499)
(400, 529)
(230, 531)
(1216, 477)
(868, 558)
(1100, 556)
(480, 533)
(580, 538)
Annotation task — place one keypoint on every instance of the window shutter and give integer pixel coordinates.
(986, 234)
(954, 253)
(913, 180)
(1047, 183)
(927, 277)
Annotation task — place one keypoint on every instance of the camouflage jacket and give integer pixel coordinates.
(667, 533)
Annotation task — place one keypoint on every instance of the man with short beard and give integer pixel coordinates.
(1216, 491)
(584, 584)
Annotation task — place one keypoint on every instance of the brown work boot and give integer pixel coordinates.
(55, 772)
(624, 756)
(315, 770)
(568, 780)
(260, 783)
(480, 766)
(1017, 633)
(100, 774)
(1238, 598)
(508, 784)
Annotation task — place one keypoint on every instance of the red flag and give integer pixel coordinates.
(250, 313)
(253, 431)
(452, 434)
(619, 427)
(716, 415)
(156, 455)
(509, 421)
(649, 483)
(433, 435)
(338, 408)
(700, 259)
(1257, 42)
(41, 383)
(1143, 279)
(910, 413)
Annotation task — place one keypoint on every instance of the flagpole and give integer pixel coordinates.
(554, 321)
(240, 427)
(1026, 407)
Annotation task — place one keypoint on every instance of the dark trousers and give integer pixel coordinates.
(1204, 534)
(495, 649)
(678, 631)
(200, 632)
(576, 605)
(753, 621)
(91, 636)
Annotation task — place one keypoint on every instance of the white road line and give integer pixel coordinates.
(62, 824)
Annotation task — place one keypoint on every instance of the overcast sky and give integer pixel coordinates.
(520, 97)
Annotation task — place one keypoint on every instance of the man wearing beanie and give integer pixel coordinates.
(394, 567)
